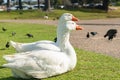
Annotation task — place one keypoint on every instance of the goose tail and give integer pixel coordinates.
(14, 44)
(9, 65)
(9, 58)
(6, 65)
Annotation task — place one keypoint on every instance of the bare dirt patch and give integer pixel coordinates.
(97, 43)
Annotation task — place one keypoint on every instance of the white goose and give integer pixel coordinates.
(45, 44)
(45, 63)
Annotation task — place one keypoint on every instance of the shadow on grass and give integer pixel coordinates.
(2, 49)
(12, 78)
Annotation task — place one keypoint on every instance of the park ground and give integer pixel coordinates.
(95, 43)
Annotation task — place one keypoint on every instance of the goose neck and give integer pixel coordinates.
(62, 38)
(69, 50)
(65, 46)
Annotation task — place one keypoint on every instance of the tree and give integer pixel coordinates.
(38, 1)
(1, 1)
(8, 5)
(67, 3)
(47, 5)
(20, 4)
(105, 5)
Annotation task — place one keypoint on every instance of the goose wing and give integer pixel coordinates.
(23, 47)
(38, 64)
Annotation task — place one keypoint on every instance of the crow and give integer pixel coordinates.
(57, 18)
(88, 35)
(111, 33)
(93, 33)
(55, 39)
(110, 37)
(4, 29)
(7, 45)
(29, 35)
(13, 33)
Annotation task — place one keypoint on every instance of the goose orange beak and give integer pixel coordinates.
(79, 27)
(74, 18)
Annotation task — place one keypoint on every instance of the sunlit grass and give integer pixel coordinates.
(90, 65)
(80, 13)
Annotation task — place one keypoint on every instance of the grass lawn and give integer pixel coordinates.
(81, 14)
(90, 65)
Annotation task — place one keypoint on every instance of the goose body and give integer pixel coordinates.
(36, 64)
(45, 63)
(45, 44)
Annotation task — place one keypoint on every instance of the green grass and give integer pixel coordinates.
(90, 65)
(81, 14)
(118, 3)
(30, 14)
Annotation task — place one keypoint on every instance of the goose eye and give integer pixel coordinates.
(69, 15)
(73, 23)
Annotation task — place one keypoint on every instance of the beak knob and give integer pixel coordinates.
(74, 18)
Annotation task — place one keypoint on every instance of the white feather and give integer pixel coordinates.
(44, 63)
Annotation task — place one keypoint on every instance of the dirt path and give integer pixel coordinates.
(95, 43)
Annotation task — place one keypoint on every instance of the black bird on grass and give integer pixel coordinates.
(57, 18)
(111, 33)
(55, 39)
(13, 33)
(7, 45)
(4, 29)
(88, 35)
(29, 35)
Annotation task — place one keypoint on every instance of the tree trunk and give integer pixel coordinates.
(67, 3)
(8, 5)
(1, 1)
(38, 4)
(20, 5)
(105, 5)
(47, 5)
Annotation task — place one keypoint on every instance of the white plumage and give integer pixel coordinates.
(45, 63)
